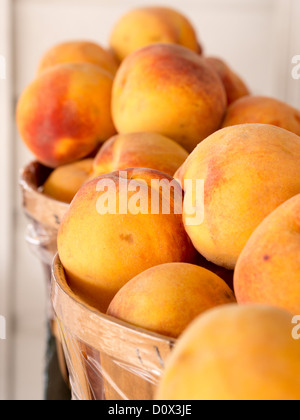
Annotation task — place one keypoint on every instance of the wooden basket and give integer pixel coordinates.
(44, 215)
(107, 359)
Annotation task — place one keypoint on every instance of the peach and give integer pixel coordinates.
(64, 114)
(234, 353)
(268, 269)
(263, 110)
(79, 52)
(248, 171)
(165, 299)
(145, 26)
(112, 232)
(144, 150)
(65, 181)
(235, 87)
(170, 90)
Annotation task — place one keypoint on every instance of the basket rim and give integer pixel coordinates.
(38, 206)
(67, 291)
(27, 184)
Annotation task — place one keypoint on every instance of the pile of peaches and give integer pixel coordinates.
(151, 106)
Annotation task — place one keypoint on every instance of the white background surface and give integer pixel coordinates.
(258, 38)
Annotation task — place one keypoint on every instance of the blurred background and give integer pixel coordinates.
(257, 38)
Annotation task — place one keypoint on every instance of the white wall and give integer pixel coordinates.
(258, 38)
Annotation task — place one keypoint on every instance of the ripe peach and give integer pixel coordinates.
(263, 110)
(79, 52)
(248, 171)
(65, 181)
(170, 90)
(64, 114)
(235, 87)
(144, 150)
(112, 232)
(165, 299)
(235, 353)
(268, 269)
(150, 25)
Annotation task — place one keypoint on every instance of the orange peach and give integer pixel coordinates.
(263, 110)
(112, 232)
(170, 90)
(65, 181)
(144, 150)
(248, 171)
(165, 299)
(235, 353)
(65, 113)
(150, 25)
(79, 52)
(268, 269)
(235, 87)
